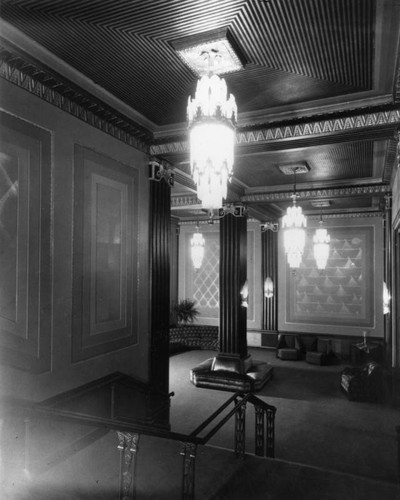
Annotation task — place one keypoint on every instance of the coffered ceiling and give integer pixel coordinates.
(319, 86)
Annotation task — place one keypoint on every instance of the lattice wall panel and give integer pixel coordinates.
(206, 279)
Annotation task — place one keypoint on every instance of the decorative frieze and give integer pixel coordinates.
(370, 189)
(65, 96)
(316, 128)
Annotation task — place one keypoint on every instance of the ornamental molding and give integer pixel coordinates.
(159, 172)
(347, 215)
(318, 193)
(183, 201)
(68, 97)
(317, 128)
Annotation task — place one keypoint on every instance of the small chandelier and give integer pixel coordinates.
(321, 241)
(211, 118)
(197, 244)
(294, 236)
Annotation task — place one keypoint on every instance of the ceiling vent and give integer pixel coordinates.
(294, 168)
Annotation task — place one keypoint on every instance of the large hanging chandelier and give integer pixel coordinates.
(211, 118)
(197, 244)
(294, 236)
(321, 241)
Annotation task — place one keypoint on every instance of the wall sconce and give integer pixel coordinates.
(268, 288)
(244, 292)
(386, 299)
(197, 244)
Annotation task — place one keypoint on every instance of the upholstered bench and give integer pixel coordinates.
(253, 380)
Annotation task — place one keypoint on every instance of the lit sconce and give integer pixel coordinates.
(268, 288)
(386, 299)
(244, 292)
(197, 244)
(321, 241)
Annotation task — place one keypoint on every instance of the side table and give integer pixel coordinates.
(362, 352)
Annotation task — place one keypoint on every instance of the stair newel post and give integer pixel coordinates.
(189, 456)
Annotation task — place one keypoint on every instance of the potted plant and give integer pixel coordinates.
(185, 311)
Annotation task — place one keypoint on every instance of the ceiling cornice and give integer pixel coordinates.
(23, 44)
(42, 82)
(334, 192)
(318, 128)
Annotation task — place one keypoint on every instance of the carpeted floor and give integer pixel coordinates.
(315, 423)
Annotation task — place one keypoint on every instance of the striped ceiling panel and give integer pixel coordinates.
(297, 51)
(340, 162)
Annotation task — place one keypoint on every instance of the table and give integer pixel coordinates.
(362, 352)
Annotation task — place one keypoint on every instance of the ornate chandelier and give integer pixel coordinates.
(197, 244)
(294, 236)
(321, 241)
(211, 117)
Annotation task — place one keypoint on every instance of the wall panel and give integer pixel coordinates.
(104, 274)
(25, 259)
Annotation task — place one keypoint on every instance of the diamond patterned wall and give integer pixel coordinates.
(342, 292)
(206, 279)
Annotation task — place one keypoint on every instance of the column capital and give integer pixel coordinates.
(236, 209)
(159, 172)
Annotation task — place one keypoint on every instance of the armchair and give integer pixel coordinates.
(363, 383)
(288, 347)
(322, 355)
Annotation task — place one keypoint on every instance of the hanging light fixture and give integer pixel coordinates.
(197, 244)
(294, 236)
(321, 241)
(211, 118)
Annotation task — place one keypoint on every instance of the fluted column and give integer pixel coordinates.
(233, 273)
(161, 180)
(269, 250)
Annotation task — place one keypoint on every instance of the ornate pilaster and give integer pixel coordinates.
(240, 431)
(188, 453)
(269, 255)
(387, 276)
(161, 180)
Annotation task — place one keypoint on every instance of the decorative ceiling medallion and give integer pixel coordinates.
(192, 49)
(297, 168)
